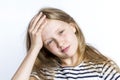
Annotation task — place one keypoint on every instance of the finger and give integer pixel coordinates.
(34, 21)
(31, 22)
(42, 26)
(40, 22)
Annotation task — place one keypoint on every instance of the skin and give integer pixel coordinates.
(60, 39)
(64, 44)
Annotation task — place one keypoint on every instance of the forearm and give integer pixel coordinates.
(24, 71)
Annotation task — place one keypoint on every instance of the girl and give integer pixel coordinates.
(57, 51)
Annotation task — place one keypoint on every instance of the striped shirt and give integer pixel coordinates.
(88, 71)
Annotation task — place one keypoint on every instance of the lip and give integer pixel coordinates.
(65, 49)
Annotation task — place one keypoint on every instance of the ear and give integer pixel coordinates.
(73, 27)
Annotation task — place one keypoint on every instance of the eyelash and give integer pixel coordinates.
(61, 32)
(49, 42)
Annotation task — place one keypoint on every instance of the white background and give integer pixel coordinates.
(98, 19)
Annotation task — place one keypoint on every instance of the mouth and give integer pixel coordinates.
(65, 49)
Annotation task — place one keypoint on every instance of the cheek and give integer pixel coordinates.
(52, 48)
(65, 36)
(69, 36)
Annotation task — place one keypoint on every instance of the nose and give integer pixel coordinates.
(60, 42)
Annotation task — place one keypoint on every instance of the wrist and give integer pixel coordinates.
(34, 50)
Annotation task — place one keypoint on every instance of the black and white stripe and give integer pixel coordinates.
(87, 71)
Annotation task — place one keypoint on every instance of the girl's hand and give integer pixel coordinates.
(35, 28)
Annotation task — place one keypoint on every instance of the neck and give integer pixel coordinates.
(72, 61)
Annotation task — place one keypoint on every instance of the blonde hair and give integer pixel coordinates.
(47, 60)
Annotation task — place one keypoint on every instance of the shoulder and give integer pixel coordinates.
(42, 74)
(34, 76)
(107, 70)
(110, 71)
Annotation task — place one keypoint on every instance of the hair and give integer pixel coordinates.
(47, 60)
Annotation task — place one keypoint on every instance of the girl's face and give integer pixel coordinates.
(60, 39)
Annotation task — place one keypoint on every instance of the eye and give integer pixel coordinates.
(49, 42)
(60, 32)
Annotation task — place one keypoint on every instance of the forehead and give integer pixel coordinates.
(53, 24)
(51, 27)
